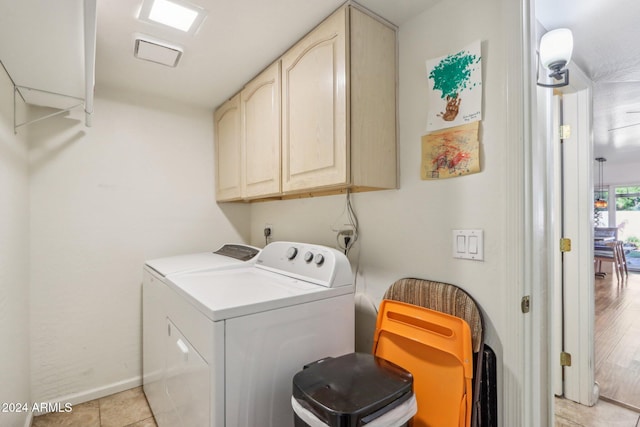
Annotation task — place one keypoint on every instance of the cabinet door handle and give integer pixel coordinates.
(184, 349)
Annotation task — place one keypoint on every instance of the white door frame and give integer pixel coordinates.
(577, 267)
(579, 294)
(527, 369)
(543, 225)
(520, 364)
(555, 233)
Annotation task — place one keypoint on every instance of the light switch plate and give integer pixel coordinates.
(468, 244)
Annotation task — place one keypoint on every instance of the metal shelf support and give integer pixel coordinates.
(17, 92)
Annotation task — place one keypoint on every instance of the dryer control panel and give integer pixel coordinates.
(313, 263)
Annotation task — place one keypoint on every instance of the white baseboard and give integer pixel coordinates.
(92, 394)
(29, 420)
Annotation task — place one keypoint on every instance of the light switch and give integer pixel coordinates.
(468, 244)
(461, 244)
(473, 245)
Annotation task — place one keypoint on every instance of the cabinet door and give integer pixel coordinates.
(228, 150)
(315, 109)
(260, 107)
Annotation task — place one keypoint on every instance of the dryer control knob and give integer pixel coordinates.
(292, 252)
(308, 257)
(319, 259)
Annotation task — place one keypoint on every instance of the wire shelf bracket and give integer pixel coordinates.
(17, 93)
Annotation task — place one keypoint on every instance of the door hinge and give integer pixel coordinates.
(565, 245)
(565, 132)
(565, 359)
(525, 304)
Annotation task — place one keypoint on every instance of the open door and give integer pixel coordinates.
(556, 233)
(573, 294)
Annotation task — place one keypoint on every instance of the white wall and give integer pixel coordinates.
(135, 186)
(407, 232)
(138, 185)
(14, 270)
(617, 173)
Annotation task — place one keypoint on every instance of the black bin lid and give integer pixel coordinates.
(351, 390)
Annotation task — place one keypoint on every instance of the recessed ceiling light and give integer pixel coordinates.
(177, 14)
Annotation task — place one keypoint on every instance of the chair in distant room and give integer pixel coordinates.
(622, 259)
(611, 252)
(605, 234)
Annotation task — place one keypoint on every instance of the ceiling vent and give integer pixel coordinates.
(157, 51)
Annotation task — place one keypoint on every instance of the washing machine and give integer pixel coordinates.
(235, 338)
(155, 274)
(227, 256)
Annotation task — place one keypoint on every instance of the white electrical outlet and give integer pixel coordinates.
(268, 233)
(468, 244)
(345, 238)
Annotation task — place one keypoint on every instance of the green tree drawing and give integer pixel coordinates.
(451, 76)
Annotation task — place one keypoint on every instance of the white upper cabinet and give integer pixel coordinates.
(373, 109)
(260, 134)
(339, 106)
(228, 151)
(314, 110)
(320, 120)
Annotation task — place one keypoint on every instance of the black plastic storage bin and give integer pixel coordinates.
(353, 390)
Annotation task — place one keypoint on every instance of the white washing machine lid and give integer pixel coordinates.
(226, 294)
(228, 256)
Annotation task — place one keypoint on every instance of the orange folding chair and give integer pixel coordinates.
(437, 349)
(453, 300)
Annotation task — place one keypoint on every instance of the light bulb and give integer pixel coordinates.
(556, 47)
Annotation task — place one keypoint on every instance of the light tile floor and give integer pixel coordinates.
(603, 414)
(130, 409)
(125, 409)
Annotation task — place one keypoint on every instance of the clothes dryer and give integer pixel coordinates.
(155, 274)
(235, 338)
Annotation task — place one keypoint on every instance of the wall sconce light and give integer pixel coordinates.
(556, 47)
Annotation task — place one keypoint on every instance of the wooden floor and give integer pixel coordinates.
(617, 339)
